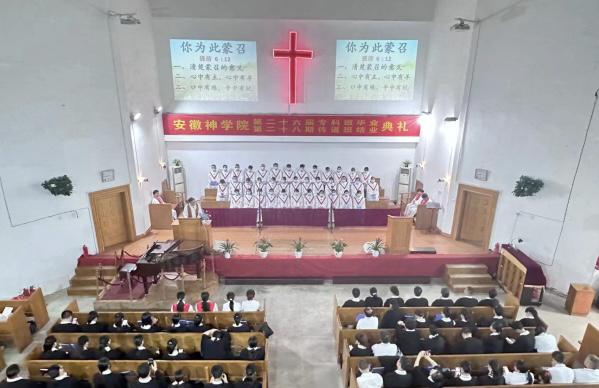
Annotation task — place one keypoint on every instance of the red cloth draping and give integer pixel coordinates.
(534, 271)
(364, 217)
(295, 217)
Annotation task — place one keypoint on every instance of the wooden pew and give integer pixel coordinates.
(15, 328)
(34, 306)
(2, 361)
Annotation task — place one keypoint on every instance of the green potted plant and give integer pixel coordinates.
(407, 163)
(338, 247)
(227, 247)
(376, 247)
(527, 186)
(263, 245)
(298, 248)
(177, 162)
(60, 185)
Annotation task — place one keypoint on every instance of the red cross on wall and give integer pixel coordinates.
(292, 54)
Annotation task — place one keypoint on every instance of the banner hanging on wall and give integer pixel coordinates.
(291, 125)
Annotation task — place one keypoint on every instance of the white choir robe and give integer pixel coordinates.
(342, 186)
(321, 201)
(372, 191)
(249, 201)
(262, 174)
(237, 172)
(248, 187)
(283, 201)
(353, 175)
(249, 174)
(313, 174)
(345, 202)
(296, 200)
(305, 187)
(412, 207)
(222, 192)
(283, 186)
(357, 186)
(338, 174)
(334, 200)
(276, 173)
(272, 200)
(326, 175)
(317, 186)
(309, 201)
(359, 202)
(236, 201)
(295, 185)
(192, 212)
(272, 185)
(288, 174)
(213, 178)
(261, 200)
(365, 176)
(330, 186)
(226, 175)
(301, 173)
(258, 185)
(236, 186)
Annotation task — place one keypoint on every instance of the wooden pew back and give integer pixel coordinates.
(34, 306)
(15, 328)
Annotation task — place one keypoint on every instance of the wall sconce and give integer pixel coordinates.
(158, 109)
(421, 164)
(162, 164)
(134, 116)
(142, 179)
(445, 179)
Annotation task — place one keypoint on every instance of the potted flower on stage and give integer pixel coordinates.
(338, 247)
(227, 247)
(263, 245)
(298, 246)
(376, 247)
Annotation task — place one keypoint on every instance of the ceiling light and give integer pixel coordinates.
(134, 116)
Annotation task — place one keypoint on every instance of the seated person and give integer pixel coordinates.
(105, 350)
(253, 352)
(355, 301)
(51, 350)
(373, 300)
(543, 377)
(369, 321)
(238, 325)
(361, 347)
(145, 379)
(465, 319)
(544, 342)
(218, 378)
(590, 373)
(531, 318)
(498, 317)
(385, 347)
(120, 324)
(198, 324)
(250, 304)
(67, 324)
(401, 377)
(468, 344)
(392, 316)
(444, 320)
(434, 343)
(173, 352)
(462, 376)
(367, 378)
(13, 380)
(494, 342)
(192, 209)
(158, 200)
(444, 301)
(494, 374)
(215, 345)
(427, 377)
(180, 380)
(523, 343)
(106, 378)
(59, 378)
(251, 379)
(82, 350)
(560, 373)
(139, 352)
(181, 306)
(394, 296)
(418, 300)
(491, 301)
(520, 376)
(92, 325)
(206, 305)
(421, 321)
(231, 305)
(408, 339)
(148, 324)
(467, 300)
(176, 326)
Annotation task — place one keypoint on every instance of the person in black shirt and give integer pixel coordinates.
(463, 376)
(67, 323)
(420, 318)
(106, 378)
(444, 301)
(60, 379)
(104, 349)
(394, 296)
(498, 317)
(494, 342)
(173, 352)
(13, 380)
(468, 344)
(491, 301)
(82, 351)
(198, 324)
(144, 377)
(250, 380)
(140, 352)
(238, 325)
(219, 378)
(180, 380)
(465, 320)
(362, 346)
(391, 317)
(445, 320)
(373, 300)
(253, 352)
(424, 377)
(494, 375)
(524, 343)
(355, 301)
(418, 300)
(120, 324)
(408, 339)
(467, 300)
(176, 326)
(531, 318)
(51, 350)
(401, 377)
(216, 345)
(92, 325)
(435, 343)
(148, 324)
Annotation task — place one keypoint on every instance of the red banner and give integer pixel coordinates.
(290, 125)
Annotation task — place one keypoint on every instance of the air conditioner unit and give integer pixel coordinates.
(178, 179)
(405, 181)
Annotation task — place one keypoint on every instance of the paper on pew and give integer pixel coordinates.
(6, 313)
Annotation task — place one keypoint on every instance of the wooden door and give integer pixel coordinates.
(475, 210)
(113, 216)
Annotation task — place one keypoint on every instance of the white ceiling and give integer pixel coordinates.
(400, 10)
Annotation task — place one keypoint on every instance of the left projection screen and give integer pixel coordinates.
(214, 70)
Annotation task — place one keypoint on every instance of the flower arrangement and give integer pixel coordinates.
(527, 186)
(227, 247)
(298, 247)
(263, 245)
(60, 185)
(376, 247)
(338, 247)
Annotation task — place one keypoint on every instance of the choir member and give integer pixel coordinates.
(309, 199)
(181, 305)
(318, 185)
(275, 172)
(235, 185)
(231, 305)
(262, 173)
(259, 184)
(271, 199)
(92, 325)
(315, 173)
(306, 185)
(343, 184)
(173, 352)
(365, 175)
(322, 201)
(359, 201)
(295, 184)
(418, 300)
(444, 301)
(205, 304)
(248, 185)
(238, 325)
(213, 177)
(225, 174)
(412, 208)
(252, 352)
(373, 300)
(338, 174)
(296, 200)
(356, 185)
(326, 174)
(261, 199)
(467, 300)
(334, 199)
(346, 201)
(283, 185)
(369, 320)
(367, 378)
(193, 209)
(353, 174)
(288, 172)
(301, 172)
(372, 190)
(215, 345)
(249, 200)
(139, 351)
(236, 200)
(106, 378)
(272, 185)
(250, 304)
(67, 324)
(394, 296)
(51, 350)
(283, 199)
(237, 173)
(249, 173)
(330, 185)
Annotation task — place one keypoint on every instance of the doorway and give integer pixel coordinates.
(113, 216)
(474, 215)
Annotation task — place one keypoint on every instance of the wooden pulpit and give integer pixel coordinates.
(399, 233)
(426, 218)
(192, 229)
(161, 215)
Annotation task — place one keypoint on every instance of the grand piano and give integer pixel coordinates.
(170, 256)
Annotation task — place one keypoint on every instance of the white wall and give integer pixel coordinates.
(532, 92)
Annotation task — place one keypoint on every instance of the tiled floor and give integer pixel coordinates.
(302, 350)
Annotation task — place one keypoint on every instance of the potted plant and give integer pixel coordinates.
(263, 245)
(298, 246)
(406, 163)
(376, 247)
(177, 162)
(338, 247)
(227, 247)
(527, 186)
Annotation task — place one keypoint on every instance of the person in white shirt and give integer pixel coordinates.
(412, 207)
(326, 174)
(222, 191)
(248, 185)
(283, 200)
(250, 304)
(369, 321)
(338, 174)
(544, 342)
(249, 200)
(193, 210)
(231, 305)
(306, 185)
(295, 184)
(309, 199)
(262, 173)
(353, 174)
(271, 199)
(560, 373)
(590, 373)
(330, 185)
(283, 185)
(250, 173)
(315, 173)
(365, 175)
(301, 172)
(235, 185)
(334, 199)
(345, 201)
(225, 174)
(367, 379)
(261, 200)
(272, 184)
(213, 177)
(275, 172)
(385, 347)
(259, 184)
(296, 200)
(343, 184)
(520, 376)
(317, 185)
(288, 172)
(321, 201)
(356, 185)
(237, 173)
(236, 200)
(157, 200)
(372, 190)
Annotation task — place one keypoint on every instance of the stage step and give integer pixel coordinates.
(91, 270)
(470, 278)
(475, 276)
(466, 269)
(476, 288)
(82, 290)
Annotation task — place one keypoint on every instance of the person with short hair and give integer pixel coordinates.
(407, 338)
(192, 209)
(355, 301)
(523, 343)
(198, 324)
(544, 342)
(180, 380)
(385, 347)
(444, 319)
(51, 350)
(218, 378)
(418, 300)
(251, 379)
(145, 379)
(92, 324)
(120, 324)
(252, 352)
(139, 351)
(590, 373)
(83, 352)
(176, 326)
(369, 320)
(462, 376)
(148, 324)
(367, 378)
(394, 296)
(401, 377)
(67, 324)
(239, 326)
(445, 300)
(361, 348)
(213, 176)
(105, 350)
(373, 300)
(250, 305)
(494, 342)
(491, 301)
(468, 344)
(14, 380)
(494, 374)
(106, 378)
(467, 300)
(215, 345)
(392, 316)
(520, 376)
(560, 372)
(59, 378)
(173, 352)
(531, 318)
(427, 377)
(434, 343)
